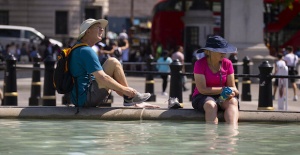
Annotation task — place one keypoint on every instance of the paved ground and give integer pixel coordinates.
(24, 87)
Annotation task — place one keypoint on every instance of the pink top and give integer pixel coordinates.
(213, 79)
(178, 55)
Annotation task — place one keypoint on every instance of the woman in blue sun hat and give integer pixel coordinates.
(215, 86)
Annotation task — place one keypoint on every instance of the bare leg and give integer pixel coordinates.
(274, 93)
(114, 69)
(231, 113)
(211, 112)
(295, 88)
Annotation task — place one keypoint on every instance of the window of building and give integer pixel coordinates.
(61, 22)
(192, 35)
(93, 12)
(4, 18)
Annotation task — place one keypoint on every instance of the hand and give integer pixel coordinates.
(130, 92)
(231, 95)
(236, 92)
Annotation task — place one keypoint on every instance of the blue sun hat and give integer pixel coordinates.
(218, 44)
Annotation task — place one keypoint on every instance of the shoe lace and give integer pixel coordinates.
(169, 100)
(172, 100)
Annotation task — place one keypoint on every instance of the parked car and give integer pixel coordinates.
(20, 34)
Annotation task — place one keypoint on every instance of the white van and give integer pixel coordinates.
(20, 34)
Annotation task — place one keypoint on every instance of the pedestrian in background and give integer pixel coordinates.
(280, 63)
(291, 61)
(178, 54)
(124, 44)
(163, 65)
(24, 56)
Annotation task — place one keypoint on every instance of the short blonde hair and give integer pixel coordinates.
(206, 52)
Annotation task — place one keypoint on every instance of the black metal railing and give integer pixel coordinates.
(265, 76)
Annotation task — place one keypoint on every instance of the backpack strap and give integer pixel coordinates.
(78, 45)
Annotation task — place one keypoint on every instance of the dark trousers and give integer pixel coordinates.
(164, 82)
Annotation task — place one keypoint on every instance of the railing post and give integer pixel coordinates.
(10, 82)
(233, 58)
(176, 80)
(193, 78)
(246, 92)
(265, 101)
(49, 98)
(36, 82)
(149, 88)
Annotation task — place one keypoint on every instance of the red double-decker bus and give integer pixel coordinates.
(167, 24)
(282, 25)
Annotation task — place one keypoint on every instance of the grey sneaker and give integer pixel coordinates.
(138, 98)
(173, 103)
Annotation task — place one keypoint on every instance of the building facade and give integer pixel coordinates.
(122, 11)
(61, 19)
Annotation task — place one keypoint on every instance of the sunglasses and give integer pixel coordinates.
(98, 27)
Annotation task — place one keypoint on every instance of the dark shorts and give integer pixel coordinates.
(291, 72)
(96, 95)
(199, 100)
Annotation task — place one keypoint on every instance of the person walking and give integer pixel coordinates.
(214, 75)
(124, 44)
(280, 63)
(163, 63)
(291, 61)
(178, 54)
(95, 81)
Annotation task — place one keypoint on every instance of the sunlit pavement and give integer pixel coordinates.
(24, 87)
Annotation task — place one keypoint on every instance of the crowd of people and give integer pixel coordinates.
(26, 51)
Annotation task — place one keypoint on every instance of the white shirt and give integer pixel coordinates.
(280, 67)
(95, 48)
(125, 54)
(178, 55)
(291, 59)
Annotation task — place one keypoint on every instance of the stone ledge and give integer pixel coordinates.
(123, 114)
